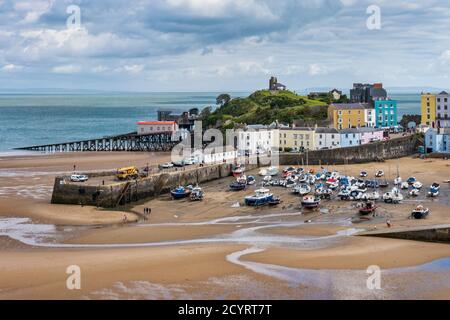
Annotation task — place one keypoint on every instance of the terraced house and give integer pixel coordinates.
(386, 113)
(442, 110)
(297, 138)
(428, 108)
(348, 115)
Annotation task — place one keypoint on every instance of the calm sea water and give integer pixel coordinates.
(40, 119)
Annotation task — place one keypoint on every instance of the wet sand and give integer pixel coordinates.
(203, 235)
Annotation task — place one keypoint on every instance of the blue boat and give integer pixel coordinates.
(260, 198)
(411, 180)
(434, 190)
(237, 186)
(180, 192)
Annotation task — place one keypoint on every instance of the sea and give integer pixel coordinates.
(35, 119)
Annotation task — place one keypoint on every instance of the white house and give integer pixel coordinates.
(219, 155)
(148, 127)
(370, 116)
(442, 110)
(257, 139)
(326, 138)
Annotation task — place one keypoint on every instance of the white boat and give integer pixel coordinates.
(404, 185)
(398, 181)
(414, 192)
(251, 180)
(263, 172)
(242, 179)
(272, 171)
(310, 202)
(363, 174)
(379, 174)
(302, 189)
(371, 196)
(197, 194)
(393, 196)
(267, 178)
(434, 190)
(417, 185)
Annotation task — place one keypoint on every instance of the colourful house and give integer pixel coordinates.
(297, 138)
(386, 113)
(369, 135)
(350, 138)
(438, 140)
(428, 107)
(348, 115)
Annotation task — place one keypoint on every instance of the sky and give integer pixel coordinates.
(222, 45)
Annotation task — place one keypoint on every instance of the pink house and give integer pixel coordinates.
(369, 135)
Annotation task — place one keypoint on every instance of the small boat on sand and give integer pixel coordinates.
(379, 174)
(368, 208)
(414, 192)
(237, 186)
(404, 185)
(302, 189)
(238, 170)
(274, 201)
(411, 180)
(363, 174)
(383, 183)
(371, 196)
(417, 185)
(393, 197)
(434, 190)
(197, 194)
(180, 192)
(251, 180)
(420, 212)
(310, 202)
(398, 181)
(261, 197)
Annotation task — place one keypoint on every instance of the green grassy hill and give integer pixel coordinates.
(264, 107)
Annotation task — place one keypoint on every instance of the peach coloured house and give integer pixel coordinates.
(369, 135)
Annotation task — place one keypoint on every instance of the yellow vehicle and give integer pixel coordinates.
(127, 173)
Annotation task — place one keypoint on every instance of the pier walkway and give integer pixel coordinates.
(124, 142)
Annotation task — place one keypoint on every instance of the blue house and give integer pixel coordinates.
(437, 140)
(350, 137)
(386, 113)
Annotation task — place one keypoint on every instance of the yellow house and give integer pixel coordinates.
(348, 115)
(297, 138)
(428, 107)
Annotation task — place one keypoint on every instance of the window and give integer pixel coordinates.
(351, 142)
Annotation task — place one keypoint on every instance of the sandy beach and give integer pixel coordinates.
(231, 250)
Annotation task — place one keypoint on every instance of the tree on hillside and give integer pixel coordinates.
(223, 99)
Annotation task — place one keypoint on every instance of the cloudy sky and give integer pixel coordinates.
(215, 45)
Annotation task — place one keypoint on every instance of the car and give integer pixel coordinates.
(178, 163)
(376, 139)
(79, 178)
(167, 165)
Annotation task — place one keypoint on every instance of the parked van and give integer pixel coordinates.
(127, 173)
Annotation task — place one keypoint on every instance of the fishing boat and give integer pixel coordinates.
(420, 212)
(238, 170)
(434, 190)
(379, 174)
(417, 185)
(344, 194)
(324, 193)
(404, 185)
(251, 180)
(393, 196)
(310, 202)
(368, 208)
(414, 192)
(261, 197)
(311, 179)
(237, 186)
(398, 181)
(411, 180)
(180, 192)
(197, 194)
(363, 174)
(267, 178)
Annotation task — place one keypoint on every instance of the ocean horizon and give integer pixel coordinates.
(43, 118)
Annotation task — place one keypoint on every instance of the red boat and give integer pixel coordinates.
(368, 208)
(238, 170)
